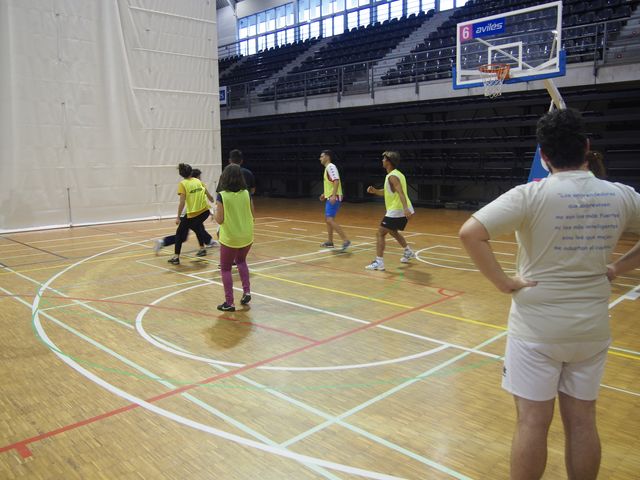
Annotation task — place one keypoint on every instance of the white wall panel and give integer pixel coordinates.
(100, 100)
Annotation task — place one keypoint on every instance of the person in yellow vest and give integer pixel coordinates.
(332, 196)
(193, 199)
(234, 214)
(399, 210)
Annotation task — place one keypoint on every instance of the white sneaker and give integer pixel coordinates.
(406, 256)
(375, 265)
(211, 244)
(157, 246)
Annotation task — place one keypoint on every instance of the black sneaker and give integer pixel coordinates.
(246, 298)
(202, 252)
(225, 307)
(174, 260)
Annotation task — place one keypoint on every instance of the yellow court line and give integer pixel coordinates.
(377, 300)
(355, 295)
(625, 355)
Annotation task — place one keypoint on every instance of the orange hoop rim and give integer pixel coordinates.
(500, 70)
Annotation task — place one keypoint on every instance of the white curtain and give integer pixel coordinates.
(99, 102)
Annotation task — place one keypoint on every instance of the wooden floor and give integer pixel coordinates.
(116, 364)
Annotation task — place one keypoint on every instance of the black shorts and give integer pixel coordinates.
(394, 223)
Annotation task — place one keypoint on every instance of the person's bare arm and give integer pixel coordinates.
(397, 187)
(334, 192)
(475, 238)
(375, 191)
(625, 263)
(219, 213)
(180, 207)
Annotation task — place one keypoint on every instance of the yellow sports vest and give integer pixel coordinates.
(328, 184)
(392, 199)
(195, 196)
(236, 230)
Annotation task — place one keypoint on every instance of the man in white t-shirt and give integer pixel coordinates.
(567, 226)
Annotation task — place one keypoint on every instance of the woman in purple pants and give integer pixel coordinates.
(234, 214)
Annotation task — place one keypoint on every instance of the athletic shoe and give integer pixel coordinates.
(246, 298)
(375, 265)
(407, 255)
(327, 244)
(174, 260)
(201, 253)
(225, 307)
(158, 244)
(211, 244)
(345, 245)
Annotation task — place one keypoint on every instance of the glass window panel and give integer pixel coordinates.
(281, 16)
(290, 19)
(352, 20)
(327, 27)
(304, 31)
(244, 49)
(291, 35)
(262, 22)
(428, 5)
(364, 2)
(327, 7)
(338, 24)
(252, 47)
(303, 10)
(262, 42)
(382, 12)
(281, 37)
(365, 15)
(243, 32)
(339, 6)
(252, 25)
(271, 40)
(314, 31)
(271, 20)
(446, 5)
(396, 9)
(314, 6)
(413, 6)
(352, 3)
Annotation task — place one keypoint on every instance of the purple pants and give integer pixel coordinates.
(227, 256)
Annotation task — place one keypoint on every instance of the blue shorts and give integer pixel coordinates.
(331, 210)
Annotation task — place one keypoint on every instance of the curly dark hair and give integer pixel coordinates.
(232, 179)
(185, 170)
(562, 138)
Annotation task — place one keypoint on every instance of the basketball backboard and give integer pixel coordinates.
(528, 40)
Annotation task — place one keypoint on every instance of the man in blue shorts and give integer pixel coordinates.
(332, 196)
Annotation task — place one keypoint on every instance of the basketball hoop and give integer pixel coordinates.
(493, 77)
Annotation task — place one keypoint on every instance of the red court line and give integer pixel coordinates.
(173, 309)
(23, 450)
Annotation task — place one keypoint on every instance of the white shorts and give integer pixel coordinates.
(538, 371)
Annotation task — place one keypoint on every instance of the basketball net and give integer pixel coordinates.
(493, 77)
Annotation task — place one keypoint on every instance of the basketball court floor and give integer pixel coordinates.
(116, 364)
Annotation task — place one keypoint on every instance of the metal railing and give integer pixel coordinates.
(583, 43)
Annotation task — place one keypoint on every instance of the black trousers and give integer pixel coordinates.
(195, 224)
(171, 239)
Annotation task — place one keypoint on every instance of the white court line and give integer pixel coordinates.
(637, 394)
(153, 376)
(630, 295)
(167, 414)
(337, 421)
